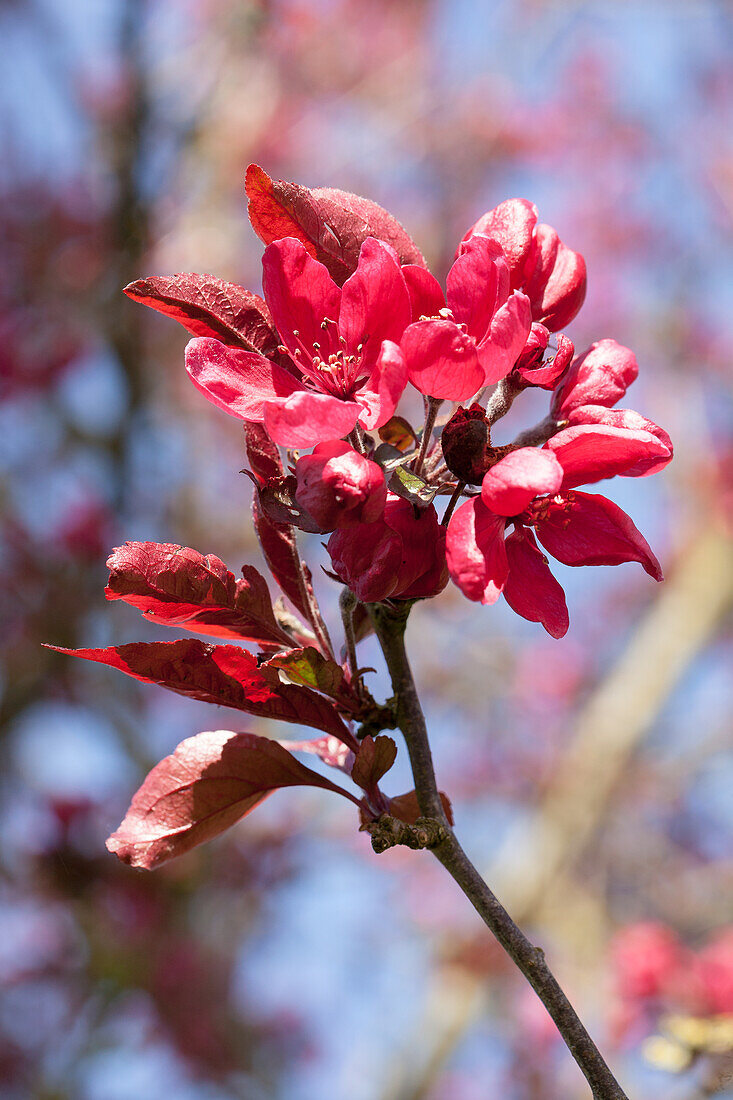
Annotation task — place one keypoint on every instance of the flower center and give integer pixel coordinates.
(328, 365)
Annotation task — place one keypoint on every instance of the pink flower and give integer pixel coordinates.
(646, 958)
(534, 488)
(339, 487)
(601, 376)
(344, 362)
(714, 971)
(549, 273)
(401, 556)
(472, 337)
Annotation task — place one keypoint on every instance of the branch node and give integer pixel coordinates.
(389, 832)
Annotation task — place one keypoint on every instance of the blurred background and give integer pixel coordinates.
(592, 778)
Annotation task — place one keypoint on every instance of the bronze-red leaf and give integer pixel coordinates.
(207, 306)
(209, 782)
(179, 587)
(331, 224)
(375, 757)
(406, 808)
(221, 674)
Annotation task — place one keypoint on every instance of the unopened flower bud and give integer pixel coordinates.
(339, 487)
(401, 556)
(466, 444)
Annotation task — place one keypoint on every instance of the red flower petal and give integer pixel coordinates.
(239, 382)
(564, 292)
(518, 478)
(375, 304)
(211, 781)
(633, 421)
(422, 570)
(400, 556)
(548, 375)
(475, 551)
(307, 418)
(511, 223)
(477, 284)
(530, 589)
(301, 294)
(379, 396)
(599, 377)
(592, 452)
(179, 587)
(505, 340)
(588, 529)
(441, 360)
(426, 294)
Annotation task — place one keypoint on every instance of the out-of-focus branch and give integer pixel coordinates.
(533, 871)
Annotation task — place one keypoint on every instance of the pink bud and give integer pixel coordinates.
(339, 487)
(599, 377)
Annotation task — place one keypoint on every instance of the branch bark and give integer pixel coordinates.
(390, 624)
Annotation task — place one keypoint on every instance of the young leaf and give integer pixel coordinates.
(398, 433)
(179, 587)
(277, 501)
(405, 807)
(331, 224)
(412, 487)
(375, 757)
(207, 306)
(222, 674)
(209, 782)
(309, 668)
(388, 457)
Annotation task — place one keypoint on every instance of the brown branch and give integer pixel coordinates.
(390, 624)
(534, 866)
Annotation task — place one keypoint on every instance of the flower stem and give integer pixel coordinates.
(432, 404)
(452, 502)
(501, 399)
(390, 624)
(347, 603)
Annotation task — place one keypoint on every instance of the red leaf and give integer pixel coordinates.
(221, 674)
(280, 548)
(277, 540)
(209, 782)
(262, 453)
(375, 757)
(207, 306)
(331, 224)
(530, 589)
(405, 807)
(177, 586)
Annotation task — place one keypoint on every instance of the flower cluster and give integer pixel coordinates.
(348, 352)
(351, 319)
